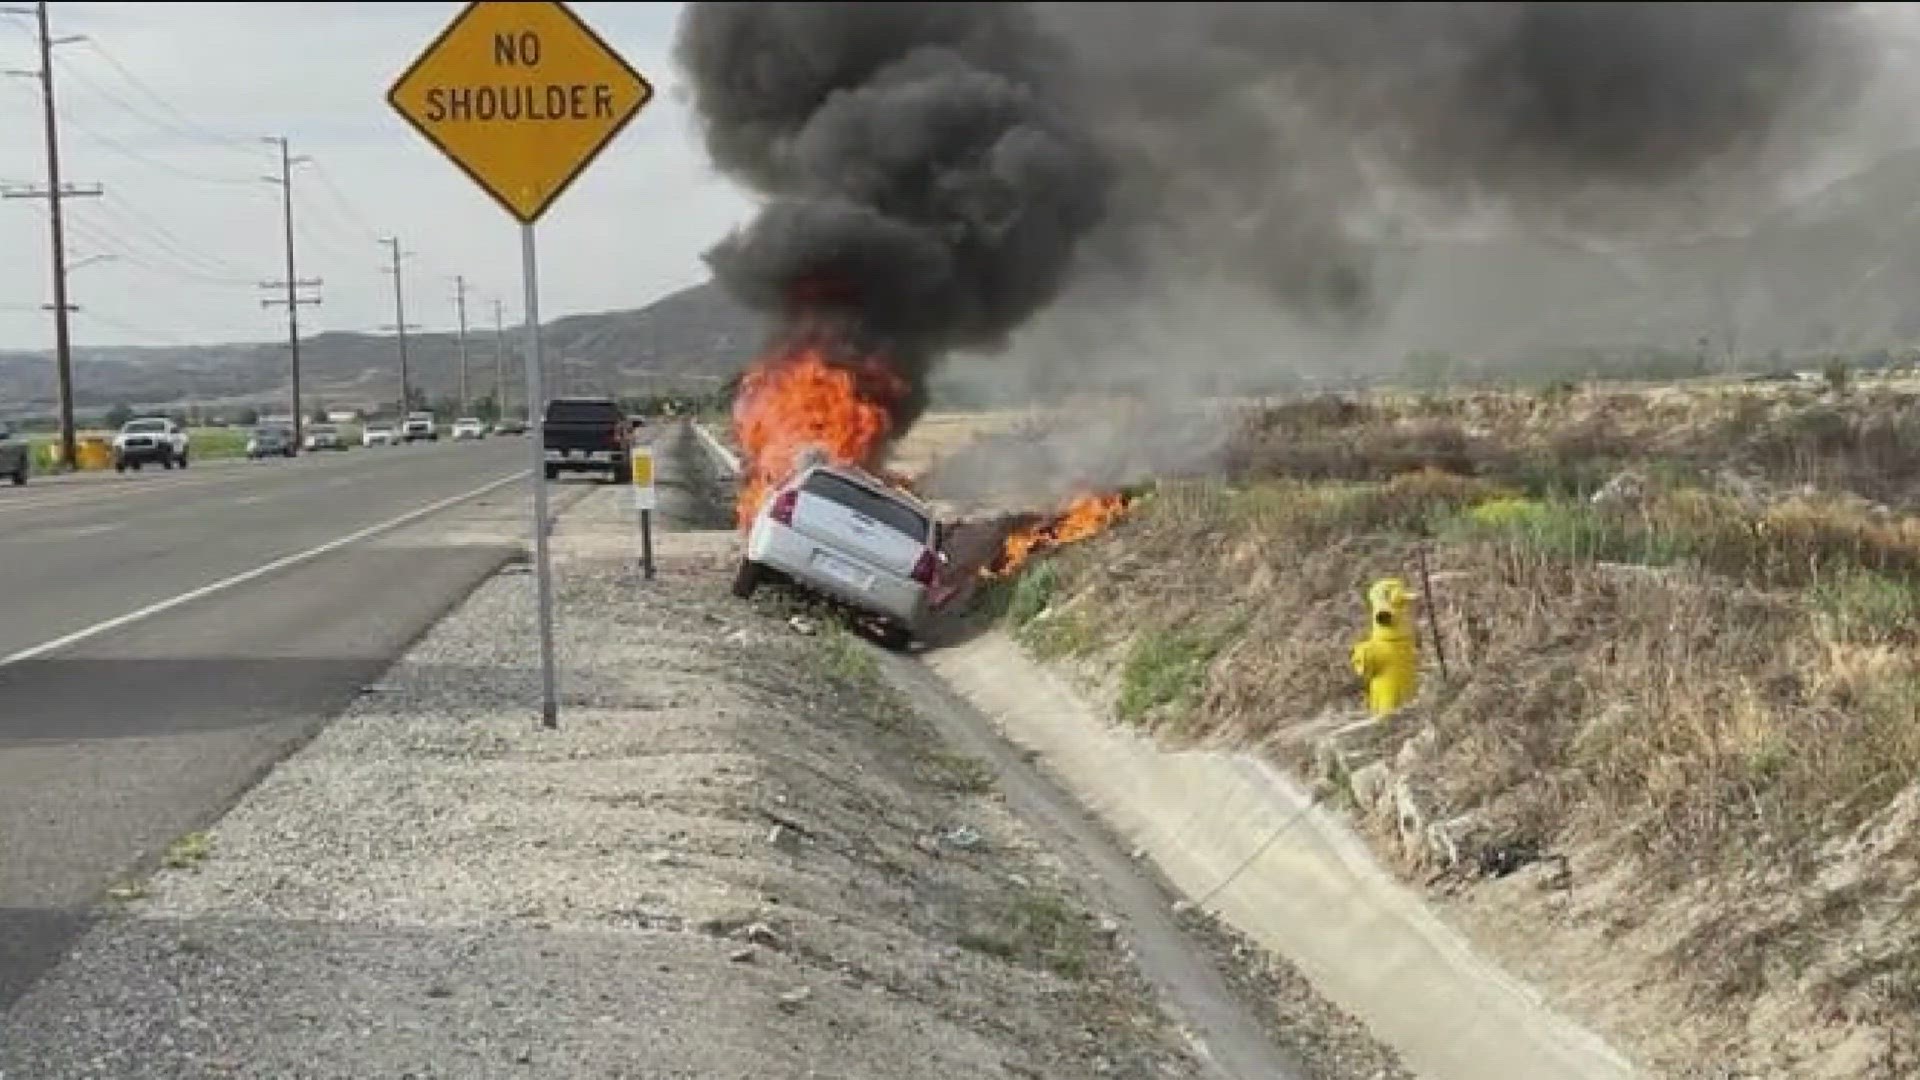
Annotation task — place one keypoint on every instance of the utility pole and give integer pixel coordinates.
(400, 326)
(460, 302)
(54, 193)
(292, 284)
(499, 362)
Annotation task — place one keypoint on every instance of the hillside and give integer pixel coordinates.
(688, 340)
(1836, 271)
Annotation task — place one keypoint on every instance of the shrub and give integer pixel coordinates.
(1032, 593)
(1164, 669)
(1866, 606)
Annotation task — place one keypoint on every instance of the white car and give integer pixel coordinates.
(153, 439)
(378, 435)
(848, 535)
(419, 425)
(469, 427)
(325, 437)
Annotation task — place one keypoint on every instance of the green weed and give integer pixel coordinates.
(1032, 593)
(955, 772)
(188, 852)
(1064, 633)
(1164, 669)
(1862, 606)
(1037, 927)
(847, 658)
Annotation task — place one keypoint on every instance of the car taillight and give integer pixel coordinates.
(783, 505)
(923, 570)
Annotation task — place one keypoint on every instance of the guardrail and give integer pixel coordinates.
(722, 456)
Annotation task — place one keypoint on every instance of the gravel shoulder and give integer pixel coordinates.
(741, 855)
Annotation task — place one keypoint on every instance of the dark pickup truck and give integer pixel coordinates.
(586, 435)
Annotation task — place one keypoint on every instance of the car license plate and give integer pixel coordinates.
(843, 571)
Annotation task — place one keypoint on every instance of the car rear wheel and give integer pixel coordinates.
(895, 637)
(183, 459)
(746, 579)
(20, 475)
(553, 472)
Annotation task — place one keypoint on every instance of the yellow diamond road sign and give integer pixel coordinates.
(522, 96)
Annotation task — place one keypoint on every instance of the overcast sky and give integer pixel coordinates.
(164, 106)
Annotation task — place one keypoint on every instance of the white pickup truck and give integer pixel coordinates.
(419, 425)
(154, 439)
(848, 535)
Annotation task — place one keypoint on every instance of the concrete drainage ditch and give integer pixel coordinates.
(1247, 842)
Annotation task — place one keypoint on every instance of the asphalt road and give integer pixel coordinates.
(166, 636)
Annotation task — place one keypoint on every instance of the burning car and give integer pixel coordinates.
(846, 534)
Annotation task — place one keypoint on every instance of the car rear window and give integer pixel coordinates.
(584, 412)
(146, 425)
(859, 499)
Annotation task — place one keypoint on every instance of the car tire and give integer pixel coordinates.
(623, 476)
(895, 637)
(553, 472)
(20, 475)
(183, 459)
(120, 466)
(746, 579)
(166, 462)
(136, 466)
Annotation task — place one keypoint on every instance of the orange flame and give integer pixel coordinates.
(1085, 517)
(803, 397)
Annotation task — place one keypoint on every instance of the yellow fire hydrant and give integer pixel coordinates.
(1388, 658)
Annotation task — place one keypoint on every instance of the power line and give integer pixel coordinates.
(164, 239)
(345, 204)
(113, 145)
(187, 123)
(161, 124)
(150, 256)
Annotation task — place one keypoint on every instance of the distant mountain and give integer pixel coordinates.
(1836, 271)
(687, 341)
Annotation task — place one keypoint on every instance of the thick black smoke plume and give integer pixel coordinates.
(927, 185)
(936, 173)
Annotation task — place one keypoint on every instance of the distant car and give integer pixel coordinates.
(13, 456)
(586, 434)
(378, 435)
(149, 440)
(848, 535)
(325, 437)
(419, 425)
(270, 440)
(510, 427)
(469, 427)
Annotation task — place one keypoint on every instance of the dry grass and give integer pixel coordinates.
(1569, 444)
(1715, 686)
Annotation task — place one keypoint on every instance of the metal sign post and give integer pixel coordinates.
(537, 479)
(523, 96)
(645, 499)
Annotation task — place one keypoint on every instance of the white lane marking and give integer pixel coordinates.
(94, 530)
(249, 500)
(282, 563)
(720, 453)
